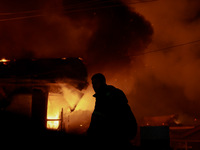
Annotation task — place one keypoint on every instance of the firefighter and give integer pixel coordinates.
(112, 118)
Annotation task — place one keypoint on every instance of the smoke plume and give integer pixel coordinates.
(112, 37)
(167, 81)
(101, 30)
(104, 33)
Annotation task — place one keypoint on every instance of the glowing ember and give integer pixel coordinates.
(3, 60)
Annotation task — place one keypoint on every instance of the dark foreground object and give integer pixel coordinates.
(155, 137)
(19, 132)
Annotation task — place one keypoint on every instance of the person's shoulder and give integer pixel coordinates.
(111, 88)
(117, 93)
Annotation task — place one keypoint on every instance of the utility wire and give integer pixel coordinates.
(76, 5)
(21, 12)
(68, 10)
(20, 18)
(92, 7)
(166, 48)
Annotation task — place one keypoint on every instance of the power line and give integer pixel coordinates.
(166, 48)
(105, 6)
(21, 12)
(70, 9)
(76, 5)
(97, 2)
(20, 18)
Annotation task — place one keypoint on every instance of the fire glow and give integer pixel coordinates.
(4, 60)
(62, 104)
(53, 112)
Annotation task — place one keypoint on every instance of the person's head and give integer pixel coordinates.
(98, 81)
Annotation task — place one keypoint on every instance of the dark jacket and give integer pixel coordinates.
(112, 116)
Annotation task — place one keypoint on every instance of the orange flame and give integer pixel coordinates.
(53, 111)
(67, 99)
(3, 60)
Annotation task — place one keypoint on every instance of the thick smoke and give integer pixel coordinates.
(92, 30)
(49, 34)
(105, 33)
(168, 81)
(109, 35)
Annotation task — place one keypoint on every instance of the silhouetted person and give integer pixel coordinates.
(112, 120)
